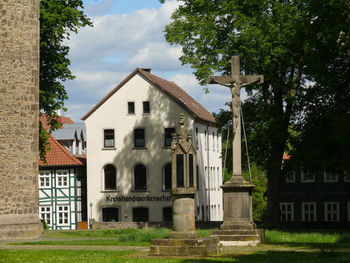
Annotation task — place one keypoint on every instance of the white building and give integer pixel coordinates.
(128, 151)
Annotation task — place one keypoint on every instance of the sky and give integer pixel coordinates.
(128, 34)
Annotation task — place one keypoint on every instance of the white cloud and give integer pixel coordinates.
(105, 54)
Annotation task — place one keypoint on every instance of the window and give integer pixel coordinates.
(308, 211)
(346, 177)
(140, 214)
(217, 142)
(139, 138)
(146, 107)
(110, 177)
(219, 181)
(287, 212)
(290, 177)
(330, 177)
(197, 170)
(131, 107)
(62, 178)
(167, 177)
(167, 214)
(331, 210)
(213, 141)
(44, 179)
(167, 136)
(306, 177)
(180, 179)
(45, 214)
(63, 215)
(140, 178)
(108, 138)
(190, 167)
(110, 214)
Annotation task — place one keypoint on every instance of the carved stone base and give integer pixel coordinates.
(238, 228)
(20, 226)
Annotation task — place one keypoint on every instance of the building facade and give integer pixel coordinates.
(62, 178)
(128, 151)
(315, 198)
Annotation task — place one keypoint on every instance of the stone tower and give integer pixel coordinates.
(19, 109)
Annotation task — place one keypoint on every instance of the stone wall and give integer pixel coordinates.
(19, 98)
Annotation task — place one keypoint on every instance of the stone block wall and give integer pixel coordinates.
(19, 99)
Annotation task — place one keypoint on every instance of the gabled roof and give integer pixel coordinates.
(61, 119)
(58, 155)
(171, 89)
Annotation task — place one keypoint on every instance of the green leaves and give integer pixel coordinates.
(58, 19)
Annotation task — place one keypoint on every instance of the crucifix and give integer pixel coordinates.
(235, 82)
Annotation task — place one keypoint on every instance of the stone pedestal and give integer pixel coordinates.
(184, 240)
(238, 228)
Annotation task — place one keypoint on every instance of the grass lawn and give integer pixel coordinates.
(281, 246)
(50, 256)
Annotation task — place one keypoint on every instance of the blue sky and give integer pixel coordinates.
(126, 35)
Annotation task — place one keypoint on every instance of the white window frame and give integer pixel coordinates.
(346, 177)
(308, 211)
(62, 178)
(64, 211)
(290, 177)
(286, 213)
(332, 212)
(305, 176)
(327, 177)
(45, 177)
(45, 214)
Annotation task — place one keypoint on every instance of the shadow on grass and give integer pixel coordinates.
(277, 257)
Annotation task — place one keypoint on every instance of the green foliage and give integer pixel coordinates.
(58, 19)
(289, 42)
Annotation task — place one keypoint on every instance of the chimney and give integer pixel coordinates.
(147, 69)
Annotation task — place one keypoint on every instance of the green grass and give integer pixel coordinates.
(65, 256)
(110, 237)
(317, 238)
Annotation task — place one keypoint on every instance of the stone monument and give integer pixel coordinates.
(183, 239)
(238, 227)
(19, 109)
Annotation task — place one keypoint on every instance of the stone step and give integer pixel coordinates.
(230, 226)
(178, 250)
(237, 237)
(235, 232)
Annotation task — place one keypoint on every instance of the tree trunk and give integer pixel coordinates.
(273, 183)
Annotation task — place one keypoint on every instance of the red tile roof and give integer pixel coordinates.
(58, 155)
(62, 119)
(172, 90)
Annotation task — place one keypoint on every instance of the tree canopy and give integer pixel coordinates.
(58, 19)
(299, 46)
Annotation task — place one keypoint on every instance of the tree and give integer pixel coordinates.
(292, 43)
(58, 19)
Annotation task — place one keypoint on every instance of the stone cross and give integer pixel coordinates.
(235, 82)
